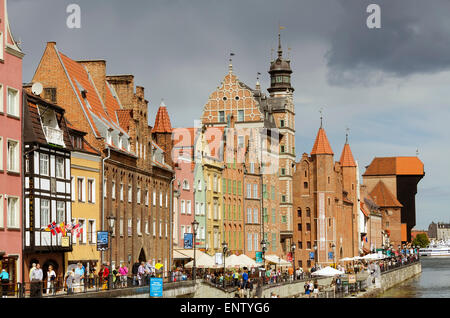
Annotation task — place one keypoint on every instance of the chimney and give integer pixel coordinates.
(97, 71)
(124, 87)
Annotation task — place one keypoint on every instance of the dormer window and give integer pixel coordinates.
(120, 142)
(108, 137)
(53, 134)
(129, 145)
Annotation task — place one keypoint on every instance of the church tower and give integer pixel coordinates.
(281, 105)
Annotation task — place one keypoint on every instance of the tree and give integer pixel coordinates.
(421, 240)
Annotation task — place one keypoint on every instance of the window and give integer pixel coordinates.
(1, 86)
(1, 211)
(185, 185)
(83, 235)
(252, 167)
(274, 216)
(283, 171)
(108, 137)
(13, 212)
(138, 227)
(256, 239)
(121, 192)
(387, 224)
(13, 160)
(138, 195)
(50, 94)
(160, 198)
(283, 219)
(80, 189)
(274, 242)
(282, 123)
(188, 206)
(197, 208)
(282, 148)
(160, 228)
(264, 189)
(240, 115)
(240, 141)
(305, 185)
(183, 207)
(255, 215)
(121, 227)
(91, 232)
(249, 242)
(308, 226)
(299, 227)
(91, 190)
(60, 167)
(234, 186)
(255, 191)
(60, 212)
(146, 228)
(130, 193)
(105, 190)
(308, 212)
(249, 190)
(215, 183)
(45, 212)
(308, 245)
(43, 164)
(120, 143)
(249, 215)
(1, 144)
(113, 189)
(221, 116)
(283, 198)
(146, 197)
(299, 213)
(130, 227)
(13, 102)
(199, 185)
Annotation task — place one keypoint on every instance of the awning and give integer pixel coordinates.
(187, 252)
(179, 255)
(273, 259)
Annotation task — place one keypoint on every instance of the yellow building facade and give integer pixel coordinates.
(86, 203)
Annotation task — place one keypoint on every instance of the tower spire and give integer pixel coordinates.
(280, 50)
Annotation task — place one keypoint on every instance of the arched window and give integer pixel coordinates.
(308, 212)
(185, 185)
(299, 212)
(305, 185)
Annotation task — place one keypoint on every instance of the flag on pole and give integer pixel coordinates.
(62, 227)
(282, 28)
(52, 228)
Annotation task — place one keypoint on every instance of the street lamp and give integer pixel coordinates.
(224, 250)
(263, 252)
(293, 247)
(111, 221)
(333, 246)
(194, 227)
(315, 256)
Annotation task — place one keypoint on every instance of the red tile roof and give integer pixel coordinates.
(347, 159)
(124, 117)
(162, 121)
(395, 166)
(363, 209)
(383, 197)
(321, 145)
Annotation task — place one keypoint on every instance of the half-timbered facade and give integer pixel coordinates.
(47, 189)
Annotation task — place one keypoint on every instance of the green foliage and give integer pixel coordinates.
(421, 240)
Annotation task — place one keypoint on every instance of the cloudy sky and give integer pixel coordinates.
(388, 85)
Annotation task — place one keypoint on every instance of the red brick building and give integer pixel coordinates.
(325, 199)
(137, 179)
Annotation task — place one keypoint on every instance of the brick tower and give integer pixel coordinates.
(282, 106)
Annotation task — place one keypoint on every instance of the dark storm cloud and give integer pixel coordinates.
(414, 38)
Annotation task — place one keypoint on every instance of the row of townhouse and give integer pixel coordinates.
(76, 147)
(238, 177)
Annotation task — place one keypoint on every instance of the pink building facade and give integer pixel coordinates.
(183, 147)
(10, 150)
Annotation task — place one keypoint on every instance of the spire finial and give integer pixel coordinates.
(257, 80)
(280, 51)
(321, 116)
(230, 66)
(346, 135)
(417, 152)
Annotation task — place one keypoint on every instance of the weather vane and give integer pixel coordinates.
(321, 116)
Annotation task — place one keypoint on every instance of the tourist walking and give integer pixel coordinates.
(123, 272)
(316, 289)
(4, 281)
(306, 287)
(36, 281)
(51, 278)
(69, 281)
(141, 273)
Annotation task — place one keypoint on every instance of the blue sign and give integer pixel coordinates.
(102, 241)
(259, 257)
(156, 287)
(311, 255)
(188, 240)
(330, 255)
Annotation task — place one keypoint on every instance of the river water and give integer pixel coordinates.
(433, 282)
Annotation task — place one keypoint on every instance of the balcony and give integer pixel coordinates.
(54, 136)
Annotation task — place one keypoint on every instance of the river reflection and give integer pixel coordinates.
(434, 281)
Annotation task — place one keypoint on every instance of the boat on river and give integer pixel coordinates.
(436, 249)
